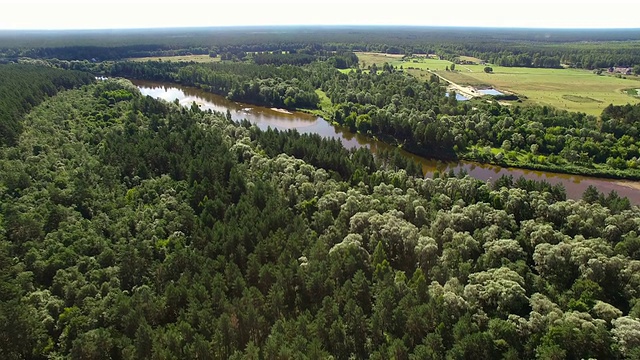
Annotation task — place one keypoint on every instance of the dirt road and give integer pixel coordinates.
(467, 91)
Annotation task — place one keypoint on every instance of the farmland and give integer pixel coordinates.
(419, 62)
(194, 58)
(568, 89)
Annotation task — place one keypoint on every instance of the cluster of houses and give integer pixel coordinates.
(621, 70)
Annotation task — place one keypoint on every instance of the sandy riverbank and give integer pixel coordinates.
(284, 111)
(630, 184)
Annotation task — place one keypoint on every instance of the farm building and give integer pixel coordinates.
(620, 70)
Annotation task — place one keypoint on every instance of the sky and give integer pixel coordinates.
(112, 14)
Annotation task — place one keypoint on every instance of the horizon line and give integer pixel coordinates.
(203, 27)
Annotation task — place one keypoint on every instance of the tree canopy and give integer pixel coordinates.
(135, 228)
(24, 86)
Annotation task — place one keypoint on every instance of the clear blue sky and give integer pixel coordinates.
(103, 14)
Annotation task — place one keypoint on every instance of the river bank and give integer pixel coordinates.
(264, 117)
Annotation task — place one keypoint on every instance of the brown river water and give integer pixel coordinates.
(264, 117)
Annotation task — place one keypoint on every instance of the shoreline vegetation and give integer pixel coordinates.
(575, 185)
(326, 111)
(447, 155)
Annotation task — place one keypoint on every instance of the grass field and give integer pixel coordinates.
(569, 89)
(470, 59)
(325, 106)
(580, 99)
(463, 78)
(325, 102)
(367, 59)
(425, 64)
(195, 58)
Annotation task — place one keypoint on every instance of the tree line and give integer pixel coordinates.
(24, 86)
(587, 49)
(422, 116)
(285, 86)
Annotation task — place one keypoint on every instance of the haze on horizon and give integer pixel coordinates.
(132, 14)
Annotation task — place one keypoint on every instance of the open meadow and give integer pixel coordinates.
(369, 58)
(569, 89)
(194, 58)
(418, 62)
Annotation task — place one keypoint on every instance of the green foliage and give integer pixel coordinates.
(284, 86)
(278, 58)
(588, 49)
(343, 60)
(117, 95)
(24, 86)
(141, 229)
(422, 116)
(427, 121)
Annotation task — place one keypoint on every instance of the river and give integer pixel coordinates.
(264, 117)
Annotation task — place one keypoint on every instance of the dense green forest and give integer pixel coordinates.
(284, 86)
(24, 86)
(584, 48)
(133, 228)
(422, 117)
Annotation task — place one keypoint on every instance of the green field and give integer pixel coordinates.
(569, 89)
(195, 58)
(326, 107)
(462, 78)
(580, 99)
(367, 59)
(425, 64)
(470, 59)
(419, 62)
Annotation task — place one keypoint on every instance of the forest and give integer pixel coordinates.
(584, 48)
(421, 116)
(284, 86)
(22, 87)
(132, 228)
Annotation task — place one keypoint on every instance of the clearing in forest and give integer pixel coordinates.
(569, 89)
(194, 58)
